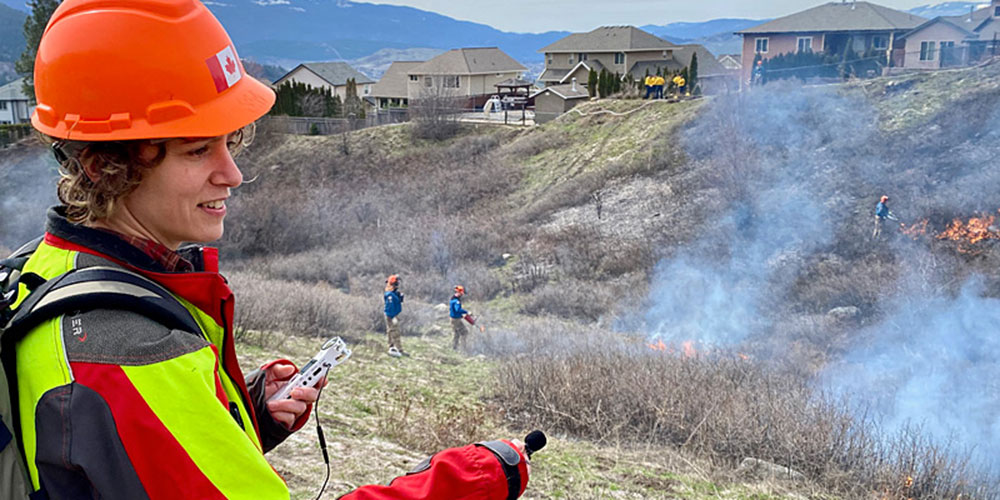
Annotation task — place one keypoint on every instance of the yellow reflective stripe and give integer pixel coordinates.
(41, 366)
(203, 427)
(215, 335)
(41, 355)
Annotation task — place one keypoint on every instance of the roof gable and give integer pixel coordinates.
(841, 16)
(13, 91)
(565, 92)
(608, 39)
(469, 61)
(334, 73)
(394, 81)
(939, 20)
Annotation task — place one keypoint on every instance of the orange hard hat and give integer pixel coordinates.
(110, 70)
(392, 280)
(459, 289)
(884, 198)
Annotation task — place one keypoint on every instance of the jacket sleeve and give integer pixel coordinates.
(483, 471)
(272, 432)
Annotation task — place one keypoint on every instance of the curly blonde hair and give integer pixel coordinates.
(120, 167)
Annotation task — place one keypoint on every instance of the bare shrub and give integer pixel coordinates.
(270, 305)
(571, 299)
(718, 406)
(435, 113)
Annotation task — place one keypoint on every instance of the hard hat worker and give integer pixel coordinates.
(459, 317)
(882, 213)
(393, 306)
(145, 102)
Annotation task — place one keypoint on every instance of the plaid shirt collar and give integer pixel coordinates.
(169, 259)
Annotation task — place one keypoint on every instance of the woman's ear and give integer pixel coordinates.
(89, 164)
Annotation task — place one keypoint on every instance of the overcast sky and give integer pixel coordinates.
(536, 16)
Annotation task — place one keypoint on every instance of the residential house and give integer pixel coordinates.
(832, 28)
(954, 41)
(391, 91)
(469, 73)
(333, 75)
(15, 107)
(731, 62)
(555, 100)
(622, 50)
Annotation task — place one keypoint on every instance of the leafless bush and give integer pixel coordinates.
(265, 304)
(572, 299)
(720, 406)
(435, 113)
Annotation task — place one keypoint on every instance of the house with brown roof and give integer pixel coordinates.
(833, 28)
(391, 91)
(622, 50)
(954, 40)
(332, 75)
(470, 73)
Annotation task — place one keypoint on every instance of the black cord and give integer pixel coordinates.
(322, 443)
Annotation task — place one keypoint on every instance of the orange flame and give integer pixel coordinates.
(658, 346)
(689, 350)
(916, 230)
(969, 233)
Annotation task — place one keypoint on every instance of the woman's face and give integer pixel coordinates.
(183, 199)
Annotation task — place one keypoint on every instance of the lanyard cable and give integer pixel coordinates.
(322, 443)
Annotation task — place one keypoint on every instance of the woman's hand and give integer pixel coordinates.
(287, 411)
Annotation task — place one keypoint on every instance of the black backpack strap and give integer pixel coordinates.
(100, 288)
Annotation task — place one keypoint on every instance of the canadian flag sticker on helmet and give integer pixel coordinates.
(224, 68)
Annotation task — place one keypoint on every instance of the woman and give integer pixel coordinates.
(145, 102)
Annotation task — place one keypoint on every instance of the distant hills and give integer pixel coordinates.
(946, 9)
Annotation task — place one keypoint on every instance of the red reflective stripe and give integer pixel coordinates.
(148, 443)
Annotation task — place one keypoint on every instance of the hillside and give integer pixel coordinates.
(667, 289)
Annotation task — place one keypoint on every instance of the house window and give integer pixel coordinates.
(3, 105)
(880, 43)
(761, 46)
(619, 58)
(581, 57)
(428, 81)
(805, 44)
(550, 60)
(927, 51)
(996, 12)
(414, 78)
(451, 82)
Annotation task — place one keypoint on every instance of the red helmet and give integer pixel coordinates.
(884, 199)
(459, 289)
(392, 280)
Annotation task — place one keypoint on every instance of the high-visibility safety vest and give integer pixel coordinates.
(137, 409)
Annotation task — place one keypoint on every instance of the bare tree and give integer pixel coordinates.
(435, 113)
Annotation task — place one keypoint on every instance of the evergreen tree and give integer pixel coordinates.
(34, 26)
(592, 82)
(616, 84)
(693, 71)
